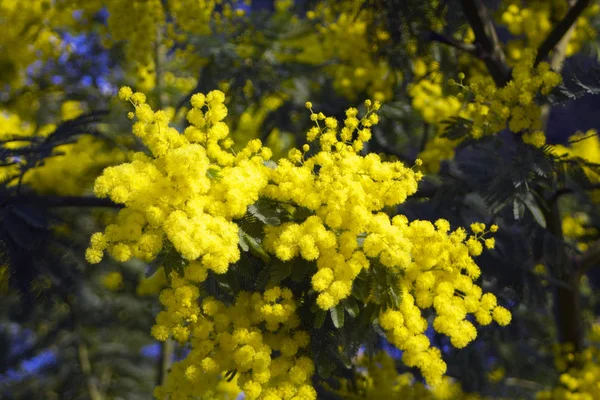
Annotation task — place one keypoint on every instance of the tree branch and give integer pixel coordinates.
(564, 191)
(167, 348)
(490, 49)
(567, 302)
(86, 369)
(560, 30)
(556, 63)
(460, 45)
(61, 201)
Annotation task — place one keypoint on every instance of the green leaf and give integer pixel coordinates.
(351, 306)
(325, 366)
(395, 296)
(580, 81)
(301, 214)
(368, 314)
(518, 209)
(320, 318)
(262, 280)
(301, 269)
(242, 240)
(266, 211)
(394, 111)
(279, 271)
(214, 173)
(361, 287)
(337, 315)
(254, 246)
(179, 269)
(457, 128)
(535, 210)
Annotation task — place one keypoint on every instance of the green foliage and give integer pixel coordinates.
(54, 296)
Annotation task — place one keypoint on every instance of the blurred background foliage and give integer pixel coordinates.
(72, 331)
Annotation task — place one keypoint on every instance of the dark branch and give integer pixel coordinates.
(466, 47)
(581, 139)
(61, 201)
(560, 30)
(567, 302)
(563, 191)
(490, 49)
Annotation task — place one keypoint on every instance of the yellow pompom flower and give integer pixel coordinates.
(501, 315)
(113, 281)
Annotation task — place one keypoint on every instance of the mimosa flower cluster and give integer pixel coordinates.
(435, 107)
(189, 192)
(491, 109)
(441, 276)
(514, 103)
(428, 96)
(377, 379)
(27, 36)
(343, 36)
(346, 198)
(231, 338)
(534, 19)
(579, 377)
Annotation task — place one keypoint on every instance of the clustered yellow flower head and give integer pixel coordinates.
(534, 19)
(230, 338)
(344, 37)
(377, 378)
(491, 109)
(579, 377)
(346, 197)
(187, 191)
(435, 107)
(427, 94)
(441, 276)
(514, 103)
(191, 189)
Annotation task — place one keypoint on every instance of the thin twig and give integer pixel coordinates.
(563, 191)
(512, 381)
(460, 45)
(556, 63)
(86, 369)
(167, 348)
(583, 138)
(560, 30)
(486, 37)
(567, 303)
